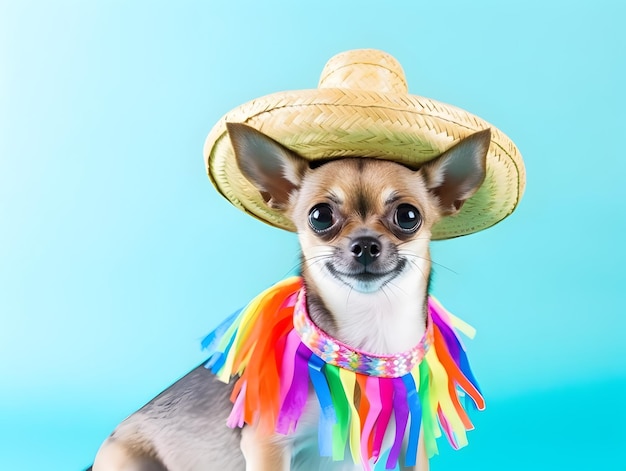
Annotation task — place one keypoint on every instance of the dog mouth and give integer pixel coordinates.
(367, 280)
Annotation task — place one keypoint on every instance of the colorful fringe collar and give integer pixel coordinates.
(278, 353)
(334, 352)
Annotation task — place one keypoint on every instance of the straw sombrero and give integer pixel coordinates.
(362, 108)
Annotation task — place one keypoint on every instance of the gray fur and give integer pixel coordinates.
(194, 408)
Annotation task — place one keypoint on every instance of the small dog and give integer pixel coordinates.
(364, 227)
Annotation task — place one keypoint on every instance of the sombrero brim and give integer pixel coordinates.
(328, 123)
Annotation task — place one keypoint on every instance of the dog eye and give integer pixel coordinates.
(407, 218)
(321, 217)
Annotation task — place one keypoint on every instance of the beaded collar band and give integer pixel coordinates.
(337, 353)
(278, 355)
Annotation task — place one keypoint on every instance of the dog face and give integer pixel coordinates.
(362, 223)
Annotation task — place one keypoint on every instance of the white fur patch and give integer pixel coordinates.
(387, 320)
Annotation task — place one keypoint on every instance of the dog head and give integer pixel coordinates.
(361, 221)
(364, 225)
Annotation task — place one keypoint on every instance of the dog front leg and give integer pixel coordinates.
(264, 452)
(422, 458)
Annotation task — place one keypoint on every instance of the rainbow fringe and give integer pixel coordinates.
(275, 369)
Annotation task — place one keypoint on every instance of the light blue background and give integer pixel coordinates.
(117, 256)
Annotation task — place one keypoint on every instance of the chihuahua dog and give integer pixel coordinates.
(364, 227)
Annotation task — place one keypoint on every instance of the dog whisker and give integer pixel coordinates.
(314, 260)
(412, 255)
(419, 268)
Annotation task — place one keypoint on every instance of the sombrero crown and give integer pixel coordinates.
(362, 108)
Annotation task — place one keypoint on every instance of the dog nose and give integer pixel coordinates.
(365, 250)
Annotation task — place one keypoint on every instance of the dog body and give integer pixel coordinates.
(364, 227)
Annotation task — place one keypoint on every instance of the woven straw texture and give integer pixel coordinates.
(362, 109)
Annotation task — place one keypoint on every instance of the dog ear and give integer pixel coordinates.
(272, 168)
(457, 174)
